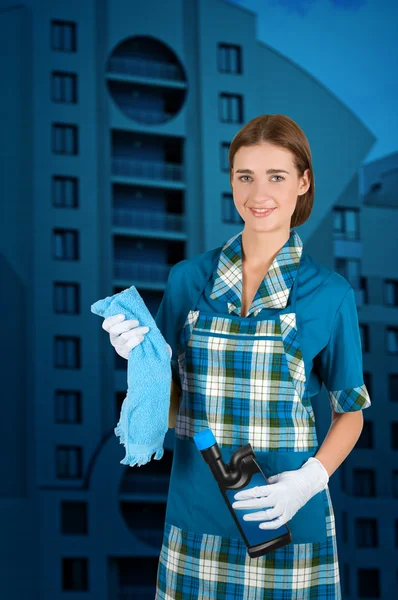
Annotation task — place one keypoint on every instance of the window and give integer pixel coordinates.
(343, 477)
(64, 139)
(363, 286)
(68, 406)
(366, 533)
(65, 191)
(67, 352)
(364, 331)
(66, 298)
(69, 462)
(347, 590)
(64, 87)
(392, 340)
(368, 582)
(229, 212)
(394, 487)
(391, 292)
(394, 435)
(364, 482)
(73, 517)
(231, 110)
(229, 58)
(345, 223)
(376, 187)
(393, 387)
(63, 36)
(224, 156)
(366, 438)
(137, 577)
(367, 378)
(75, 574)
(350, 269)
(344, 517)
(65, 244)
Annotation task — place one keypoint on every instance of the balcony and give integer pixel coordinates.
(147, 169)
(149, 117)
(144, 67)
(153, 221)
(141, 273)
(146, 80)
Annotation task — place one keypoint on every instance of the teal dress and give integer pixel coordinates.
(251, 380)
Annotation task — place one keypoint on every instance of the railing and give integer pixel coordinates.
(144, 68)
(147, 169)
(151, 116)
(141, 272)
(161, 221)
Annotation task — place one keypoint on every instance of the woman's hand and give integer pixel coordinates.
(286, 494)
(125, 334)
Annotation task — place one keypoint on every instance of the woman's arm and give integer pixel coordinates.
(175, 393)
(341, 438)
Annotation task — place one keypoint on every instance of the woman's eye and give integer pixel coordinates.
(243, 176)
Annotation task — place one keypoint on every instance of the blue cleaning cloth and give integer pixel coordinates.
(143, 420)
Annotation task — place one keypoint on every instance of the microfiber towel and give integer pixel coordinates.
(143, 420)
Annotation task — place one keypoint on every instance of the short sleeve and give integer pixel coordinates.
(166, 321)
(339, 363)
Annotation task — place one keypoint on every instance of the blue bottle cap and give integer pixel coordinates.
(204, 439)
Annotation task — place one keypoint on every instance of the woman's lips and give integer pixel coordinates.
(263, 213)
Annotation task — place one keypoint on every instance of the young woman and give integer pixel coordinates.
(255, 327)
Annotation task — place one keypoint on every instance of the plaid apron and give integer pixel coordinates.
(245, 379)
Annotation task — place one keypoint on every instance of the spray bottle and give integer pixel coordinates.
(243, 472)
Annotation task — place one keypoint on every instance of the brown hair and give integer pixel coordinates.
(281, 131)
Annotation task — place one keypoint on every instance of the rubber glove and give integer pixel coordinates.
(286, 494)
(125, 334)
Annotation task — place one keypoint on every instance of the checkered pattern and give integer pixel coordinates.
(248, 385)
(200, 566)
(350, 400)
(275, 287)
(245, 379)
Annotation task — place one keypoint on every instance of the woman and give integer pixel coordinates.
(255, 327)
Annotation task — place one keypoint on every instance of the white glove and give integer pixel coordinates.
(288, 492)
(125, 334)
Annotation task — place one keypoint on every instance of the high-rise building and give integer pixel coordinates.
(117, 119)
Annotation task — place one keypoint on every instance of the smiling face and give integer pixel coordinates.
(264, 176)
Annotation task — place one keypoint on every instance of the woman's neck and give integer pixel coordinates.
(259, 249)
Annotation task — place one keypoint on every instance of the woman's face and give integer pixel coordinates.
(264, 176)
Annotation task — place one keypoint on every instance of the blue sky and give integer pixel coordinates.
(350, 46)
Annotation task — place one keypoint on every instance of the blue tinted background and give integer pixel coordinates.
(114, 168)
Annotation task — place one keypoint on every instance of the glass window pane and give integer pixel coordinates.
(351, 224)
(392, 340)
(337, 221)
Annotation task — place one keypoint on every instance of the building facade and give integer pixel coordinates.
(119, 117)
